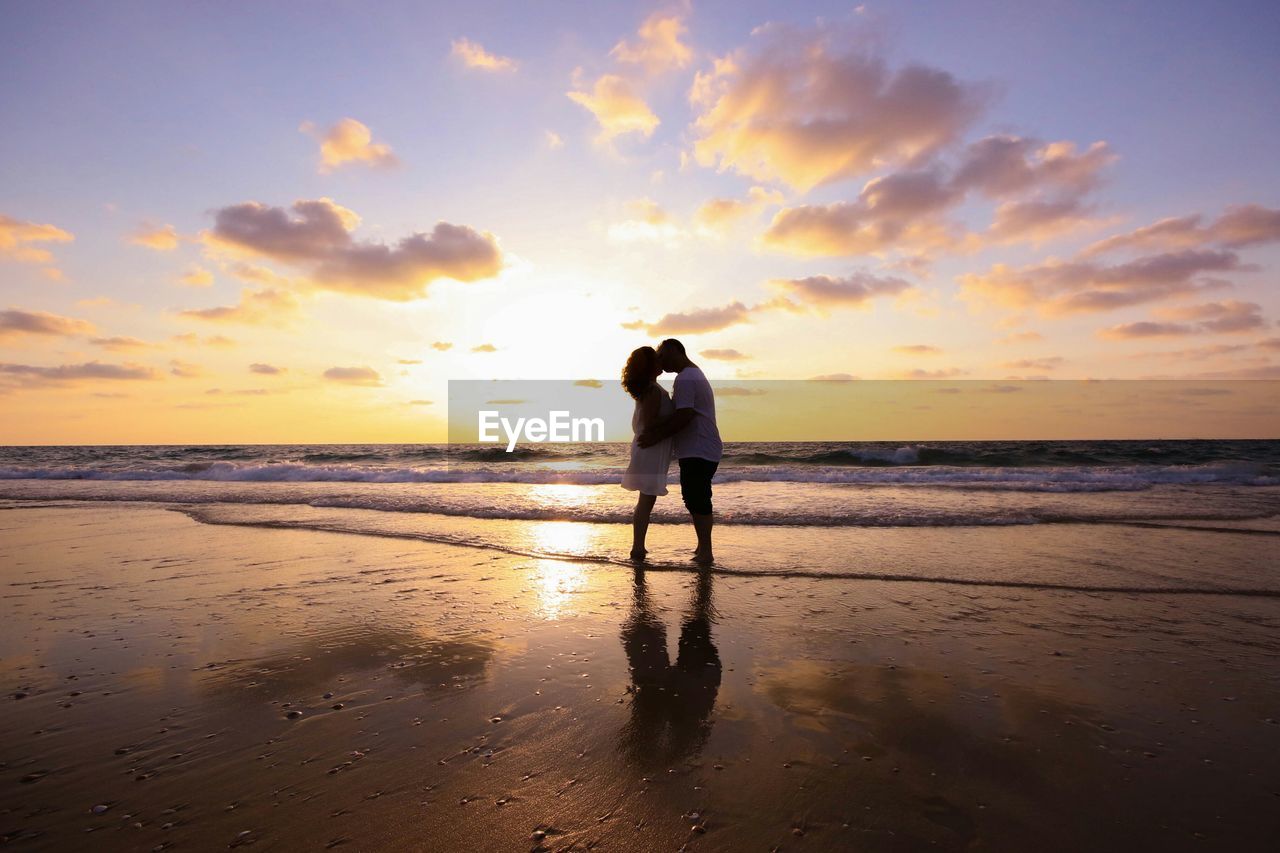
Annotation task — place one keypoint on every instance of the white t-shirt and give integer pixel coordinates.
(701, 438)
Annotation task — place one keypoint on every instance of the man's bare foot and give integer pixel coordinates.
(703, 558)
(638, 555)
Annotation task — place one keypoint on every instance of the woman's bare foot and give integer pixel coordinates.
(703, 558)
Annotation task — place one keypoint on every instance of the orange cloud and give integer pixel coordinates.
(1020, 338)
(473, 55)
(720, 214)
(856, 289)
(160, 238)
(350, 141)
(617, 108)
(197, 277)
(442, 346)
(1048, 362)
(31, 376)
(185, 369)
(365, 376)
(14, 322)
(1003, 166)
(657, 46)
(811, 107)
(1237, 228)
(266, 369)
(918, 349)
(256, 307)
(699, 320)
(1145, 329)
(484, 348)
(120, 344)
(317, 237)
(1230, 316)
(16, 237)
(1057, 287)
(1041, 187)
(648, 223)
(724, 355)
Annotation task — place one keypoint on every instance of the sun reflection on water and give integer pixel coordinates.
(556, 583)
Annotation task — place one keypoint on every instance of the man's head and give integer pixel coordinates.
(671, 355)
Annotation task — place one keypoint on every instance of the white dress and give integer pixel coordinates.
(647, 472)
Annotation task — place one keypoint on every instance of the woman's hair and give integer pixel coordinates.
(640, 370)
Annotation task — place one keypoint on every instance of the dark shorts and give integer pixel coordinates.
(695, 483)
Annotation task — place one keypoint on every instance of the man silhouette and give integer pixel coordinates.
(696, 439)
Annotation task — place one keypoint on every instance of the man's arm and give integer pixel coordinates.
(664, 429)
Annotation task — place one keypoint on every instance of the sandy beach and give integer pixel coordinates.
(176, 684)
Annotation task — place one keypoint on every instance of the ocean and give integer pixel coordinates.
(809, 504)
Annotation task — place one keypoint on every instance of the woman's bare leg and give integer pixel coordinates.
(640, 524)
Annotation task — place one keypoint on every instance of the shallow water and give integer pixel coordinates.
(487, 696)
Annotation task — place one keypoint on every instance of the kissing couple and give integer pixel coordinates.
(683, 425)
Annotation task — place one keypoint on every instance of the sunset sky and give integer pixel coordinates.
(292, 222)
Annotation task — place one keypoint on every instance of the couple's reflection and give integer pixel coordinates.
(670, 704)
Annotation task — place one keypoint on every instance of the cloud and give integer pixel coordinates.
(699, 320)
(420, 402)
(484, 348)
(1145, 329)
(833, 377)
(1040, 186)
(160, 238)
(808, 107)
(1038, 221)
(266, 369)
(473, 55)
(255, 308)
(1270, 344)
(649, 223)
(1230, 316)
(617, 108)
(589, 383)
(898, 212)
(720, 214)
(940, 373)
(14, 322)
(30, 376)
(724, 355)
(1057, 288)
(657, 46)
(855, 289)
(317, 237)
(442, 346)
(197, 277)
(365, 376)
(1020, 338)
(918, 349)
(554, 140)
(120, 344)
(16, 237)
(1238, 227)
(1048, 362)
(408, 361)
(192, 339)
(1004, 166)
(350, 141)
(185, 369)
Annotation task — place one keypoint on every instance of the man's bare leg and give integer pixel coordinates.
(640, 524)
(702, 526)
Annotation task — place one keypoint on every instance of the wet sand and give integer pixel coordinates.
(169, 683)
